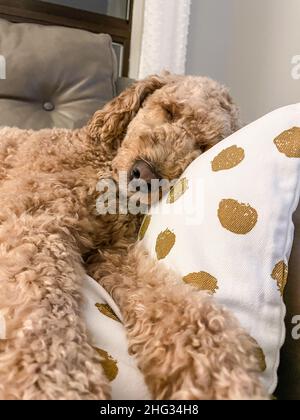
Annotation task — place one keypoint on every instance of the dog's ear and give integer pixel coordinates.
(110, 124)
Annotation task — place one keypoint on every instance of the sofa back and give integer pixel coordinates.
(53, 76)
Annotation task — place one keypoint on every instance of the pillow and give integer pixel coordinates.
(55, 76)
(107, 335)
(227, 227)
(289, 370)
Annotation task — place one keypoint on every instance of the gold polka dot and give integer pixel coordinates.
(202, 281)
(228, 159)
(288, 143)
(261, 359)
(260, 356)
(280, 275)
(164, 244)
(178, 190)
(107, 311)
(109, 365)
(144, 227)
(237, 217)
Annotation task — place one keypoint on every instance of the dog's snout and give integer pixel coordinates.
(144, 171)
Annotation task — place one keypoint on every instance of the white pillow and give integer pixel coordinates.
(107, 335)
(227, 226)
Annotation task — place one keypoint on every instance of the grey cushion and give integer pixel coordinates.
(55, 76)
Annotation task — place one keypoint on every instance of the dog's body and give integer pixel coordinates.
(48, 223)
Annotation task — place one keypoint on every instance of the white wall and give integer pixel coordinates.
(248, 45)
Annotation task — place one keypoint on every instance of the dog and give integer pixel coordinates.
(51, 235)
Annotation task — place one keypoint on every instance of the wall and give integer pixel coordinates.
(249, 46)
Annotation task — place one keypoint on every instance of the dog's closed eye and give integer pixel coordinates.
(171, 111)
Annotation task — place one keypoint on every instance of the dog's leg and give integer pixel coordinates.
(46, 354)
(186, 346)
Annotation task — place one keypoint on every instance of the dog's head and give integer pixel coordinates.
(159, 125)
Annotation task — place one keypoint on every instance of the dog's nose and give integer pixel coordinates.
(143, 170)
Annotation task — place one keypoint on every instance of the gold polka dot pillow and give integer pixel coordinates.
(227, 228)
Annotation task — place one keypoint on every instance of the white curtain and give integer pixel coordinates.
(165, 36)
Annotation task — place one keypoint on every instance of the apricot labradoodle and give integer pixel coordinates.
(185, 345)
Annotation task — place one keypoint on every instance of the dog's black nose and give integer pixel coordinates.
(136, 174)
(144, 171)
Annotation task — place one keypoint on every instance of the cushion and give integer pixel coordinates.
(107, 335)
(289, 369)
(122, 84)
(55, 76)
(227, 226)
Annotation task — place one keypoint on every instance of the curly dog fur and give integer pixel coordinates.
(185, 345)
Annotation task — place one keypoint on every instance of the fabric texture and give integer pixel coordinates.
(55, 76)
(227, 227)
(165, 36)
(289, 370)
(107, 334)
